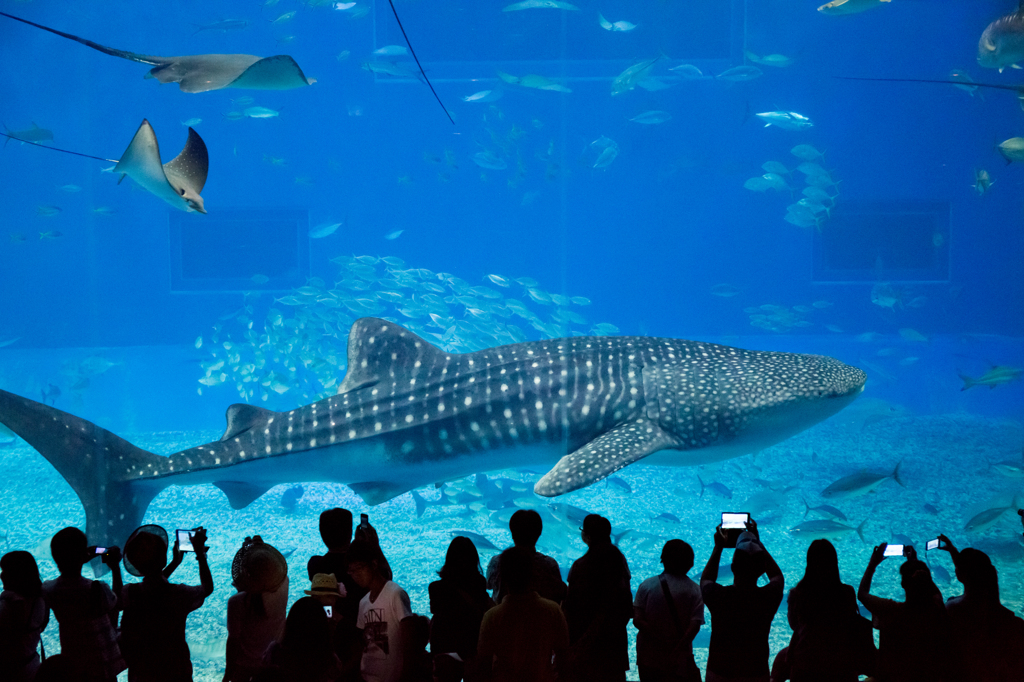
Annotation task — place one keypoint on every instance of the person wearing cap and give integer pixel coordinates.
(598, 606)
(85, 609)
(741, 613)
(155, 610)
(257, 612)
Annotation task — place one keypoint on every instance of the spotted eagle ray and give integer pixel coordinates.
(204, 72)
(178, 182)
(409, 414)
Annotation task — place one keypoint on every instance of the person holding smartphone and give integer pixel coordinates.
(741, 613)
(155, 610)
(85, 609)
(914, 636)
(988, 637)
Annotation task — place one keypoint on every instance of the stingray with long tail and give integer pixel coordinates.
(178, 182)
(1019, 89)
(205, 72)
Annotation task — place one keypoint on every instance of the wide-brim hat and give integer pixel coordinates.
(258, 567)
(151, 552)
(325, 585)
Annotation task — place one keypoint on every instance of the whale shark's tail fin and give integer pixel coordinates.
(105, 471)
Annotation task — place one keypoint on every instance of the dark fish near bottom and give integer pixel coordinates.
(290, 497)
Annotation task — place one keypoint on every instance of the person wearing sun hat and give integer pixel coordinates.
(256, 614)
(154, 610)
(326, 589)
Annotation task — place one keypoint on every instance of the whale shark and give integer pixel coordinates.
(409, 414)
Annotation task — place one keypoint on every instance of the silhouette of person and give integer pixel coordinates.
(155, 610)
(741, 613)
(56, 668)
(519, 636)
(381, 610)
(305, 652)
(914, 636)
(336, 532)
(668, 611)
(23, 617)
(257, 612)
(822, 610)
(85, 609)
(598, 606)
(526, 527)
(413, 637)
(458, 602)
(988, 637)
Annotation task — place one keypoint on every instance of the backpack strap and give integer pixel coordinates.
(671, 607)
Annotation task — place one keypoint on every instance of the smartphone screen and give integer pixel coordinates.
(932, 544)
(185, 540)
(364, 520)
(735, 520)
(329, 611)
(893, 550)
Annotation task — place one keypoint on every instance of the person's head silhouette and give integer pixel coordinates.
(20, 574)
(336, 528)
(462, 562)
(526, 527)
(677, 557)
(68, 548)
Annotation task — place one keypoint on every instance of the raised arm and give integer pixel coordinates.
(710, 573)
(205, 577)
(870, 601)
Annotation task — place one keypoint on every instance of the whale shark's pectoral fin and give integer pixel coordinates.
(241, 494)
(605, 455)
(378, 492)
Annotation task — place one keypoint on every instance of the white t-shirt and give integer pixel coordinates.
(651, 599)
(379, 622)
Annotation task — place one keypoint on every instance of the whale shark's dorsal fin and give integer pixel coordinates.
(242, 417)
(380, 351)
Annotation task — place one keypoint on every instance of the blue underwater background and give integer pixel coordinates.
(150, 321)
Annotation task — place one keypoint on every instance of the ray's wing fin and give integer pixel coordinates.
(189, 168)
(603, 456)
(141, 160)
(279, 72)
(123, 54)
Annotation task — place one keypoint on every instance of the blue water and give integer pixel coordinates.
(648, 238)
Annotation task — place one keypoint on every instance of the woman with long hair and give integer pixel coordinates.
(306, 651)
(458, 602)
(823, 614)
(23, 617)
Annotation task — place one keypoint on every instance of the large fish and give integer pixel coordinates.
(1002, 43)
(409, 414)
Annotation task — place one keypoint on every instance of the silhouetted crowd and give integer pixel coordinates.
(516, 622)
